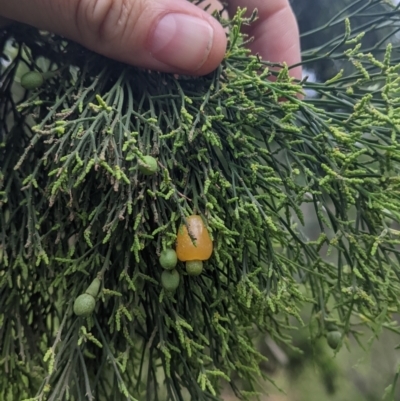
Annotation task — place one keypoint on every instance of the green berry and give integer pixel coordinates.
(168, 259)
(330, 326)
(194, 267)
(84, 305)
(170, 280)
(94, 288)
(148, 165)
(333, 338)
(32, 80)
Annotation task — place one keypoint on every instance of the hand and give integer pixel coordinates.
(164, 35)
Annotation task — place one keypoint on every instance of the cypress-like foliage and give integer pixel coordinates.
(102, 164)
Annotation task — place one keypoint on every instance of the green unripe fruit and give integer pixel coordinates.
(194, 267)
(168, 259)
(32, 80)
(84, 305)
(333, 338)
(148, 165)
(330, 326)
(170, 280)
(94, 288)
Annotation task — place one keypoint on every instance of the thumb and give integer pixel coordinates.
(164, 35)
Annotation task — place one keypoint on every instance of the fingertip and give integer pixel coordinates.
(187, 43)
(217, 51)
(173, 36)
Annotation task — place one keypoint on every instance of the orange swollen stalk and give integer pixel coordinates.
(194, 250)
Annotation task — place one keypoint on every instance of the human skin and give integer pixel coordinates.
(165, 35)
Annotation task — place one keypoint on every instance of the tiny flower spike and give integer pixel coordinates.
(193, 246)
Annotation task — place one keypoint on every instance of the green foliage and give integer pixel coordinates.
(74, 202)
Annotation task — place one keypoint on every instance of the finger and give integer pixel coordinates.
(275, 32)
(163, 35)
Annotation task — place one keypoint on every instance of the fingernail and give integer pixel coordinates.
(182, 41)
